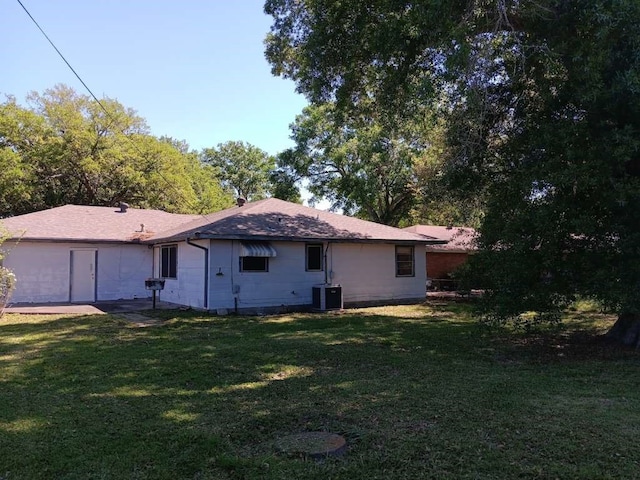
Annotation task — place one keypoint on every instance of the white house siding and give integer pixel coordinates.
(122, 270)
(42, 270)
(286, 284)
(222, 271)
(367, 273)
(188, 286)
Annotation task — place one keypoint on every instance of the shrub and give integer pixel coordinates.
(7, 284)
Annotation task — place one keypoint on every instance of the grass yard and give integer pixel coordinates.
(418, 392)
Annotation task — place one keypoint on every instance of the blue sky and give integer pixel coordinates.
(194, 69)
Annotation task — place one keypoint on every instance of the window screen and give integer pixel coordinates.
(254, 264)
(314, 257)
(169, 261)
(404, 261)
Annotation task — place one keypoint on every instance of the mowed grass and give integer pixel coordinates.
(418, 392)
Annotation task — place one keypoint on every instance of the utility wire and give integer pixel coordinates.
(64, 59)
(100, 103)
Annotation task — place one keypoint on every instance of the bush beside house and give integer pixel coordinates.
(7, 282)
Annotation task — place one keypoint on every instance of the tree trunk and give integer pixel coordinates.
(626, 330)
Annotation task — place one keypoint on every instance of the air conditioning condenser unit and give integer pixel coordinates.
(327, 297)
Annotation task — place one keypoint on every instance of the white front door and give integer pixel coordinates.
(83, 276)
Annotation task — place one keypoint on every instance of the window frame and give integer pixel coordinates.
(404, 263)
(165, 271)
(243, 268)
(307, 247)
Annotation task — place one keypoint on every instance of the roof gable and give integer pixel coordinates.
(459, 239)
(274, 219)
(269, 219)
(92, 224)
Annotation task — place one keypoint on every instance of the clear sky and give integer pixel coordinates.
(194, 69)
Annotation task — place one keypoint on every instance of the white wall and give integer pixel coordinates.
(365, 271)
(287, 283)
(122, 270)
(188, 286)
(42, 270)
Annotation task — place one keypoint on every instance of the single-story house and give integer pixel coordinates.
(443, 259)
(252, 257)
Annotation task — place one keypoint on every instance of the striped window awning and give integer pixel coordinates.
(257, 249)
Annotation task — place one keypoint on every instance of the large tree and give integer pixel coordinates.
(543, 108)
(242, 167)
(67, 148)
(360, 164)
(25, 138)
(284, 182)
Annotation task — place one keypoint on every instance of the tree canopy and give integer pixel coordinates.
(242, 167)
(66, 148)
(251, 173)
(542, 104)
(359, 165)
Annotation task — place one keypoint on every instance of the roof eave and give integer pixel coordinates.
(71, 240)
(451, 250)
(285, 238)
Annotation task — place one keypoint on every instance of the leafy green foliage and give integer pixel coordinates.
(64, 148)
(361, 165)
(7, 285)
(283, 183)
(542, 107)
(7, 277)
(351, 52)
(351, 165)
(369, 159)
(562, 218)
(242, 167)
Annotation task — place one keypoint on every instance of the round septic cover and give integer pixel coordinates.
(312, 444)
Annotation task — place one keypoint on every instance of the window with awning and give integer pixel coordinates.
(257, 249)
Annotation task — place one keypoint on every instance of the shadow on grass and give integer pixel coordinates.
(86, 394)
(205, 397)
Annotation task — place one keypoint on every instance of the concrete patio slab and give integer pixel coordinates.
(98, 308)
(54, 310)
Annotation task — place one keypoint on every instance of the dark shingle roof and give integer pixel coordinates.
(459, 239)
(274, 219)
(269, 219)
(91, 224)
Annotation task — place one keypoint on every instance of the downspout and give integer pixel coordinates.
(326, 266)
(154, 250)
(206, 271)
(231, 266)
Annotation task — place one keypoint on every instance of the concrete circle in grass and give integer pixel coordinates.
(312, 444)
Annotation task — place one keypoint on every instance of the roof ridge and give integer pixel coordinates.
(250, 205)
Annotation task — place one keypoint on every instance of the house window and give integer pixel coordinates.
(254, 256)
(405, 261)
(254, 264)
(314, 257)
(169, 261)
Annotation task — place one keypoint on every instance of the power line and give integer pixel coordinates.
(100, 103)
(64, 59)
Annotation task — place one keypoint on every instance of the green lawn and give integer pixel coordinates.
(418, 392)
